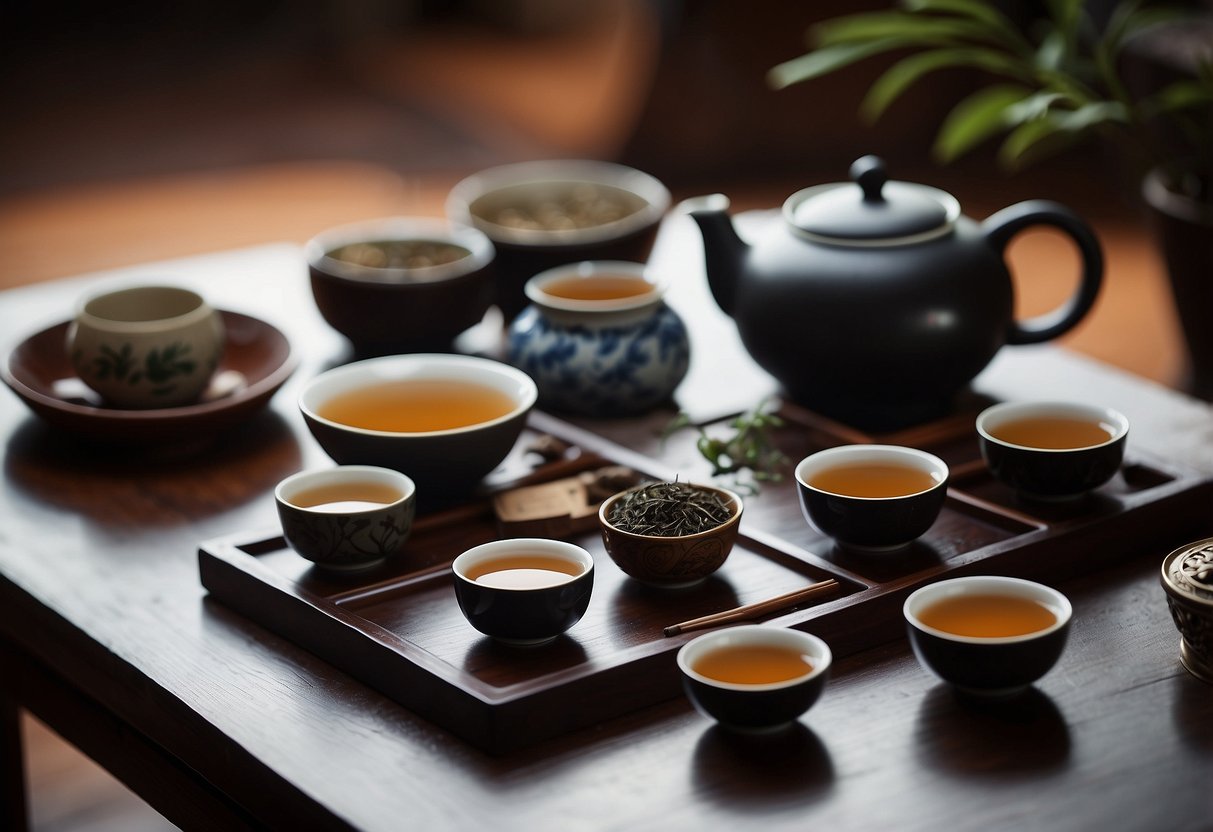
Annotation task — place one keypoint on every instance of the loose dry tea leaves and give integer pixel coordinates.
(669, 509)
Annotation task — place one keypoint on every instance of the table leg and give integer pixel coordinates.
(13, 810)
(159, 778)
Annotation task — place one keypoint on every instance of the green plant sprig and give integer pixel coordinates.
(751, 447)
(1049, 89)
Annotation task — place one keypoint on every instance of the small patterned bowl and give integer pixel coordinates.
(346, 535)
(671, 562)
(605, 356)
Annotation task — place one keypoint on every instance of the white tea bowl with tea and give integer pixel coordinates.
(754, 677)
(348, 517)
(445, 420)
(146, 347)
(524, 590)
(872, 498)
(988, 634)
(1051, 450)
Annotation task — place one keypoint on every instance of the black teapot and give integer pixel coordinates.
(876, 301)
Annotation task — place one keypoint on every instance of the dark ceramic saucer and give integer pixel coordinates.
(257, 360)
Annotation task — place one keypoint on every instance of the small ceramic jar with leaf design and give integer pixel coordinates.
(348, 517)
(598, 339)
(147, 346)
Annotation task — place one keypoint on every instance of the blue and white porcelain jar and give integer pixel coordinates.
(598, 339)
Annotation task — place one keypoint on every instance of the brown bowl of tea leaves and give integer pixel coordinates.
(670, 534)
(401, 284)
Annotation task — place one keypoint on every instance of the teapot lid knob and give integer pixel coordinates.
(868, 172)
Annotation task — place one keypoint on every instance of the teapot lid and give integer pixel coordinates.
(871, 210)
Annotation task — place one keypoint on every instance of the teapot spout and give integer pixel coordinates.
(724, 250)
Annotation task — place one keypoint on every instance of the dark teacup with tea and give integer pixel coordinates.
(872, 498)
(987, 634)
(754, 677)
(524, 591)
(1052, 450)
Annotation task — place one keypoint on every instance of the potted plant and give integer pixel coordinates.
(1054, 81)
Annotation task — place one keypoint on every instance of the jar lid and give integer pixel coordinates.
(1188, 571)
(871, 210)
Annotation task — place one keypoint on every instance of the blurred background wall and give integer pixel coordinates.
(101, 92)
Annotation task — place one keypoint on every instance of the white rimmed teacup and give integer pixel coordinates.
(755, 706)
(872, 523)
(532, 608)
(1048, 473)
(988, 664)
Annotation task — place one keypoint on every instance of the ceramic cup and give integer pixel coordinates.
(872, 523)
(524, 611)
(146, 347)
(599, 340)
(1052, 473)
(348, 517)
(987, 665)
(754, 706)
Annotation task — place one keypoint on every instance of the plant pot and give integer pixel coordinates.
(1184, 229)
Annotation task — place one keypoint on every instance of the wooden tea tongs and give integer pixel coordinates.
(755, 610)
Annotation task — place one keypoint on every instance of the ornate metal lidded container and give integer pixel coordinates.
(1187, 577)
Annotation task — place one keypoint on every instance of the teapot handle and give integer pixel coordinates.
(1001, 227)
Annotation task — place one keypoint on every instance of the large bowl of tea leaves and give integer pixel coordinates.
(670, 534)
(548, 213)
(401, 284)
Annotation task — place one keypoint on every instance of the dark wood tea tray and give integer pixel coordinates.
(398, 628)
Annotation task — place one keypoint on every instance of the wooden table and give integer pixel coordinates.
(107, 635)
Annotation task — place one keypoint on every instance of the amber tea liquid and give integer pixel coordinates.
(346, 497)
(752, 664)
(988, 616)
(418, 405)
(599, 287)
(872, 479)
(524, 572)
(1053, 433)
